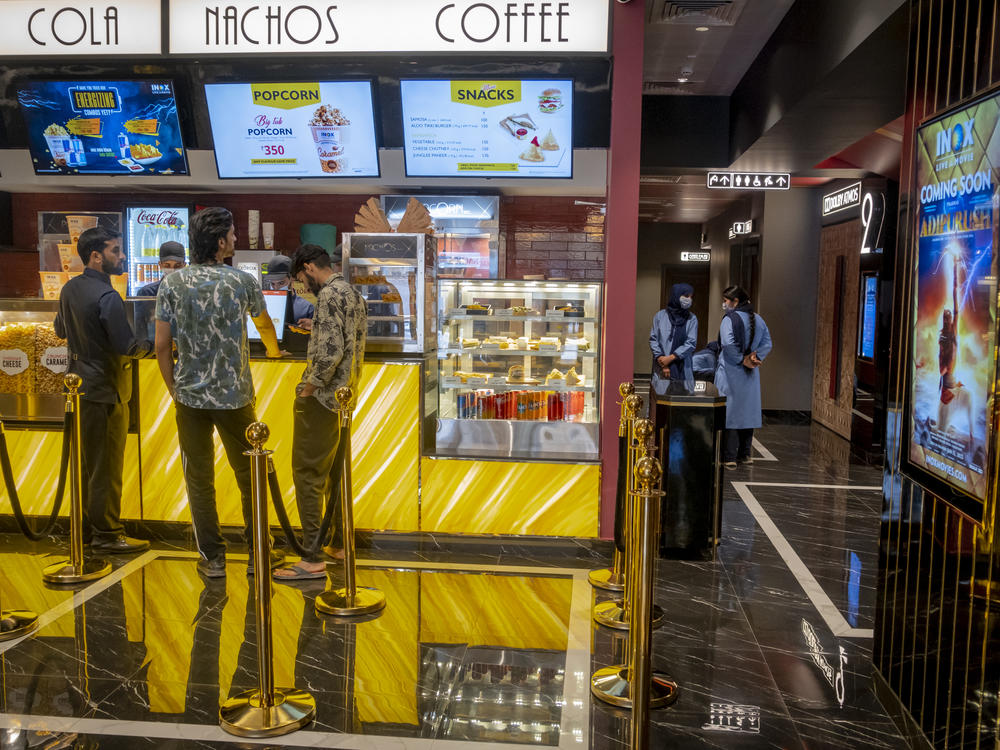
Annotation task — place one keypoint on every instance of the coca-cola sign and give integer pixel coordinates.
(159, 217)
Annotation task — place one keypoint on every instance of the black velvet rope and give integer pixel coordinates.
(15, 500)
(286, 526)
(621, 493)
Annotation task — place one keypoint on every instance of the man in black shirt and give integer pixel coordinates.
(101, 346)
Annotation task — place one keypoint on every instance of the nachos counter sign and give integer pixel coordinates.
(249, 26)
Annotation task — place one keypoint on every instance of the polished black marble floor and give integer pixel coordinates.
(770, 643)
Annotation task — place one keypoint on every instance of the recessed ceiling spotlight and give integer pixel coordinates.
(682, 80)
(701, 28)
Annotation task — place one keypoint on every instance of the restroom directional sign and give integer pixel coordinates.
(749, 180)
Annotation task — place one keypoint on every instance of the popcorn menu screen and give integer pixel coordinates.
(293, 129)
(107, 127)
(488, 128)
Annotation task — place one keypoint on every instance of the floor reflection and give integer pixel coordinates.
(470, 656)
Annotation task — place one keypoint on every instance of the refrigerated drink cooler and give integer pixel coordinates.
(146, 228)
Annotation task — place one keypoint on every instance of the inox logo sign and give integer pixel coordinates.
(955, 138)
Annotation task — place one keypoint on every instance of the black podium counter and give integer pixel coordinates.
(689, 417)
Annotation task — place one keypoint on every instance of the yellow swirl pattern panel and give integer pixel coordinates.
(385, 445)
(387, 651)
(34, 458)
(501, 497)
(495, 610)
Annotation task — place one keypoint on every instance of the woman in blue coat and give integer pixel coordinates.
(674, 336)
(746, 342)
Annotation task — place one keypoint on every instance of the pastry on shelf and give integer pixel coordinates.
(570, 311)
(581, 344)
(469, 343)
(476, 309)
(375, 278)
(515, 375)
(392, 297)
(572, 378)
(521, 310)
(464, 376)
(555, 376)
(549, 342)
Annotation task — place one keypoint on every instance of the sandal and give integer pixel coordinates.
(298, 574)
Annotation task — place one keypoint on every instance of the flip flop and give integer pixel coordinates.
(301, 574)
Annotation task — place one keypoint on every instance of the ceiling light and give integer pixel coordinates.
(701, 28)
(682, 80)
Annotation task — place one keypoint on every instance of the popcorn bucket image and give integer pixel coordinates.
(329, 140)
(59, 147)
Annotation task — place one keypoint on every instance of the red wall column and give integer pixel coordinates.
(622, 236)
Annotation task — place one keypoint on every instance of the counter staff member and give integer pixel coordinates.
(101, 345)
(278, 269)
(206, 305)
(336, 354)
(171, 259)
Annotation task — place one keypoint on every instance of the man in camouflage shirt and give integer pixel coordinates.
(335, 356)
(205, 306)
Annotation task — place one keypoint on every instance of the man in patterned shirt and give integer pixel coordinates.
(336, 354)
(205, 306)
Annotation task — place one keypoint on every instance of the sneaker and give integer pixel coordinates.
(212, 568)
(119, 545)
(748, 460)
(277, 560)
(730, 464)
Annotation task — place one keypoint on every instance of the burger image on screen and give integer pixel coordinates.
(550, 101)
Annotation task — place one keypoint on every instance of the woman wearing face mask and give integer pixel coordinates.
(674, 337)
(745, 342)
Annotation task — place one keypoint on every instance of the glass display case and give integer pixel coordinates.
(33, 361)
(519, 364)
(395, 274)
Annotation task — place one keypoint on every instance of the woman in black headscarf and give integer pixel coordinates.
(674, 336)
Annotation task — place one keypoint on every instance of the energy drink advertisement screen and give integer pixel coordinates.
(951, 368)
(293, 129)
(869, 316)
(488, 128)
(103, 127)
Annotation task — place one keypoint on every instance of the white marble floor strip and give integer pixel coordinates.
(765, 454)
(826, 608)
(575, 718)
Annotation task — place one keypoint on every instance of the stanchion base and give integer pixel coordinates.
(606, 580)
(243, 715)
(612, 615)
(64, 572)
(335, 602)
(610, 685)
(15, 623)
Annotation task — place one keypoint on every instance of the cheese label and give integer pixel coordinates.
(13, 361)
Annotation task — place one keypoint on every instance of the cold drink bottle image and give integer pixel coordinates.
(123, 145)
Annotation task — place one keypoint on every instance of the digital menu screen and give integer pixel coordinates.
(488, 128)
(324, 129)
(103, 127)
(276, 302)
(869, 316)
(951, 367)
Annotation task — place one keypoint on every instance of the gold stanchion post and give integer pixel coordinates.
(635, 683)
(613, 578)
(352, 600)
(77, 569)
(266, 711)
(616, 612)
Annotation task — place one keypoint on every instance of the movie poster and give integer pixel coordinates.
(951, 369)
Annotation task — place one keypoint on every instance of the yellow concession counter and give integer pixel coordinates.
(399, 485)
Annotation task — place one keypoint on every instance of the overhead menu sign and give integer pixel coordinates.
(841, 199)
(749, 180)
(385, 26)
(38, 28)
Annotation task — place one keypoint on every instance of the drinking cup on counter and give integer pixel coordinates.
(253, 229)
(269, 235)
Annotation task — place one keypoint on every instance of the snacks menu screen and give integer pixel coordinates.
(488, 128)
(293, 129)
(103, 127)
